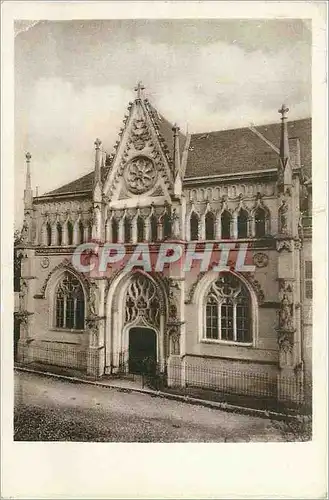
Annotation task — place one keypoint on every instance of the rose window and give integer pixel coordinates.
(141, 175)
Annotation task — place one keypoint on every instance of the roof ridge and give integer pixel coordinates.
(160, 115)
(208, 156)
(247, 127)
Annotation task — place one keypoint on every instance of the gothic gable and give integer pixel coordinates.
(141, 167)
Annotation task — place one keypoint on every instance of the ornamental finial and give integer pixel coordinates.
(97, 143)
(175, 129)
(283, 111)
(28, 157)
(139, 89)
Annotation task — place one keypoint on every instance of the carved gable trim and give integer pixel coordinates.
(256, 286)
(139, 142)
(66, 265)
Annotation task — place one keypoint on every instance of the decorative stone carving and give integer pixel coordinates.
(300, 226)
(73, 208)
(25, 232)
(22, 254)
(93, 298)
(285, 286)
(141, 175)
(111, 278)
(286, 342)
(65, 265)
(54, 250)
(174, 340)
(23, 291)
(175, 224)
(92, 326)
(285, 327)
(139, 134)
(284, 245)
(260, 259)
(256, 286)
(232, 191)
(24, 324)
(286, 306)
(190, 294)
(44, 262)
(173, 309)
(142, 301)
(283, 217)
(139, 138)
(285, 314)
(96, 221)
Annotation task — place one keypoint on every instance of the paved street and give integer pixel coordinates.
(49, 409)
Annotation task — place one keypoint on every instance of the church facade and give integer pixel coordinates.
(248, 187)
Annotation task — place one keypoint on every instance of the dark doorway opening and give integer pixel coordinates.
(142, 350)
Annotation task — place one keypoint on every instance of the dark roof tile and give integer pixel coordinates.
(165, 130)
(84, 183)
(223, 152)
(241, 150)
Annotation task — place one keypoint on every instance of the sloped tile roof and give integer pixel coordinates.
(165, 130)
(84, 183)
(241, 150)
(222, 152)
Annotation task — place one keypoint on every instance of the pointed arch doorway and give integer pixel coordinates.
(142, 351)
(136, 318)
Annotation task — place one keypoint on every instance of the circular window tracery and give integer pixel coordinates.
(141, 175)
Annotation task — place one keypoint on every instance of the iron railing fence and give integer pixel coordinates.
(66, 358)
(182, 377)
(218, 384)
(209, 382)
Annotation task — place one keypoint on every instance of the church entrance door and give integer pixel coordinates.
(142, 350)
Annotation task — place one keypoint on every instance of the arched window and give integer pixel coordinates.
(69, 303)
(140, 229)
(69, 233)
(59, 233)
(260, 222)
(80, 232)
(48, 233)
(210, 226)
(90, 231)
(194, 227)
(243, 224)
(228, 311)
(127, 230)
(166, 221)
(115, 230)
(153, 228)
(226, 225)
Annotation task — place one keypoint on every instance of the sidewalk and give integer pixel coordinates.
(127, 385)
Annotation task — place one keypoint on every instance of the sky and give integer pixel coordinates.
(74, 80)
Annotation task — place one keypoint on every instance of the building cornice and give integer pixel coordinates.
(52, 197)
(230, 176)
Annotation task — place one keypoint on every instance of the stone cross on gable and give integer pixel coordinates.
(283, 111)
(139, 89)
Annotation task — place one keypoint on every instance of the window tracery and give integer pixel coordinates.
(227, 311)
(142, 301)
(69, 303)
